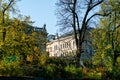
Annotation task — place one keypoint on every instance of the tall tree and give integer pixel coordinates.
(109, 29)
(6, 6)
(77, 14)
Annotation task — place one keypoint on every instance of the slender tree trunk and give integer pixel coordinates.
(75, 32)
(115, 53)
(113, 43)
(3, 23)
(3, 17)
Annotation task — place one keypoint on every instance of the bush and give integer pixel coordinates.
(10, 67)
(114, 74)
(73, 72)
(92, 73)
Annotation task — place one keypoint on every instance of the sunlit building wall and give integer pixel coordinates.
(65, 45)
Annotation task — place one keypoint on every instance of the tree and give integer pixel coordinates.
(107, 33)
(69, 12)
(13, 35)
(6, 6)
(20, 44)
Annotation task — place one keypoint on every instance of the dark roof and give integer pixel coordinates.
(53, 37)
(72, 32)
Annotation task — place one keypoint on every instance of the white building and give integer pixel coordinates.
(61, 46)
(65, 45)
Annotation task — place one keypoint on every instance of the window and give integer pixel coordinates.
(66, 45)
(69, 44)
(73, 43)
(61, 46)
(55, 47)
(50, 49)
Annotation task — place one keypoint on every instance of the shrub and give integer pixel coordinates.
(73, 72)
(50, 70)
(113, 74)
(94, 75)
(91, 73)
(10, 67)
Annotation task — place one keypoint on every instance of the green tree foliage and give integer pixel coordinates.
(6, 6)
(108, 31)
(107, 40)
(10, 66)
(19, 43)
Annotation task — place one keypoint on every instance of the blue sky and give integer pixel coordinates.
(40, 11)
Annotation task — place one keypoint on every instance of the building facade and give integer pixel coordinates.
(61, 46)
(65, 45)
